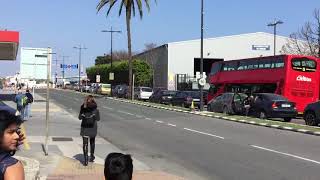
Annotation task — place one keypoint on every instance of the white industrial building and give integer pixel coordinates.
(176, 60)
(33, 63)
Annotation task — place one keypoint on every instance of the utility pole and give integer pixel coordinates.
(63, 71)
(80, 48)
(111, 53)
(111, 34)
(201, 59)
(274, 24)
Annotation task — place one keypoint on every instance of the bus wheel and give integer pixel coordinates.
(262, 115)
(287, 119)
(310, 119)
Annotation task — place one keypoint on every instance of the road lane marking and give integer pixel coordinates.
(286, 154)
(203, 133)
(107, 108)
(173, 125)
(159, 121)
(138, 116)
(148, 119)
(123, 112)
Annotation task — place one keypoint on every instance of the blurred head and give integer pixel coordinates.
(89, 102)
(9, 127)
(28, 91)
(118, 166)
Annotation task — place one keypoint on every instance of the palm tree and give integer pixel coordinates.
(130, 6)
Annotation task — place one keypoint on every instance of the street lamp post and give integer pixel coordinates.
(80, 48)
(274, 24)
(47, 100)
(201, 58)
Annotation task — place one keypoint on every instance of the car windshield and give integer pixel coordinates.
(106, 86)
(146, 89)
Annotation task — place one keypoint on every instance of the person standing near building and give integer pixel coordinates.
(19, 99)
(89, 115)
(27, 111)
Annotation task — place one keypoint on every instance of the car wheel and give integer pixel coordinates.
(310, 119)
(287, 119)
(262, 115)
(225, 110)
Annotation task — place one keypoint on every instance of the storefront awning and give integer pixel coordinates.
(9, 43)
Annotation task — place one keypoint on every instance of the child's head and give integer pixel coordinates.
(118, 166)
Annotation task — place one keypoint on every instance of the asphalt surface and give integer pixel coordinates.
(199, 147)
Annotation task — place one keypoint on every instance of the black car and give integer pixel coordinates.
(311, 114)
(120, 91)
(185, 98)
(162, 96)
(268, 105)
(228, 103)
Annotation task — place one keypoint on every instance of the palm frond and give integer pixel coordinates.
(121, 6)
(101, 4)
(148, 4)
(112, 3)
(139, 3)
(133, 8)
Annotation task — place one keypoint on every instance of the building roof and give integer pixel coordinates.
(9, 42)
(227, 37)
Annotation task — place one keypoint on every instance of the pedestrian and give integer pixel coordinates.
(20, 100)
(27, 111)
(118, 166)
(248, 104)
(10, 138)
(89, 115)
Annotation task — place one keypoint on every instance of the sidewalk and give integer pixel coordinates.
(64, 160)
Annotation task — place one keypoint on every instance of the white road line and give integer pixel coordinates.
(159, 121)
(203, 133)
(123, 112)
(286, 154)
(173, 125)
(138, 116)
(107, 108)
(148, 119)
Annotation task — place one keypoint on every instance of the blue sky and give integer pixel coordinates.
(63, 24)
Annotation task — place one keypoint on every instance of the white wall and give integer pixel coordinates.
(181, 54)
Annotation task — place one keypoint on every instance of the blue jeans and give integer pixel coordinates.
(21, 111)
(27, 111)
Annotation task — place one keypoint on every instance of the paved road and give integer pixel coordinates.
(202, 148)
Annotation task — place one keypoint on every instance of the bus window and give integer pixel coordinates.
(303, 64)
(216, 67)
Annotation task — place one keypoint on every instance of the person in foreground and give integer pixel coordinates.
(89, 115)
(10, 139)
(118, 166)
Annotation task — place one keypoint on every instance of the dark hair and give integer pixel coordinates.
(27, 90)
(118, 166)
(7, 118)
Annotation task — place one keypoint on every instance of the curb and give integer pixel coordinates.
(303, 131)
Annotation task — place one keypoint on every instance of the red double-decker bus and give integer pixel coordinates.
(293, 76)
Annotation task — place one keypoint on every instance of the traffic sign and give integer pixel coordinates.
(202, 82)
(111, 76)
(98, 78)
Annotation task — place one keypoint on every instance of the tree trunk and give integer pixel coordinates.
(128, 18)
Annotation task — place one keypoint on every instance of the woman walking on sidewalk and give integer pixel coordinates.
(10, 139)
(89, 115)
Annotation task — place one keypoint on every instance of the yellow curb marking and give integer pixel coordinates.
(25, 141)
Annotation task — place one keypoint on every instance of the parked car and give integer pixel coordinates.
(94, 88)
(162, 97)
(311, 114)
(185, 98)
(268, 105)
(120, 91)
(142, 93)
(105, 89)
(85, 87)
(228, 103)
